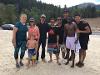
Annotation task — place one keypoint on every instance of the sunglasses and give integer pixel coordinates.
(31, 21)
(59, 19)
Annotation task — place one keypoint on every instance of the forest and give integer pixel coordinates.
(11, 9)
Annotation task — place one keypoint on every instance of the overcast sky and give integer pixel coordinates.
(69, 3)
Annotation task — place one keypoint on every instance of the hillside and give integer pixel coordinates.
(84, 5)
(98, 7)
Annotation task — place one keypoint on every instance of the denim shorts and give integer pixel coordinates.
(32, 54)
(53, 50)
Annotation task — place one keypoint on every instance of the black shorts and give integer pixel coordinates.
(84, 43)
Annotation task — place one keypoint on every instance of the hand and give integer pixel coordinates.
(78, 31)
(14, 43)
(57, 45)
(51, 32)
(76, 41)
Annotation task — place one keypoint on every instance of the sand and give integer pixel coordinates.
(7, 63)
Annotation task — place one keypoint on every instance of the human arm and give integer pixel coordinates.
(27, 44)
(87, 29)
(57, 40)
(15, 29)
(38, 34)
(29, 34)
(65, 30)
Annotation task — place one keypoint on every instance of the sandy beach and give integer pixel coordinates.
(7, 63)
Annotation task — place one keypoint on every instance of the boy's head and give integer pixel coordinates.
(66, 13)
(77, 17)
(23, 18)
(52, 21)
(59, 20)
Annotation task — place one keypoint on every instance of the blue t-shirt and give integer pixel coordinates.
(21, 33)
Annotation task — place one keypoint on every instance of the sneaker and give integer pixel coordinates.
(17, 65)
(67, 63)
(21, 64)
(72, 66)
(79, 64)
(70, 58)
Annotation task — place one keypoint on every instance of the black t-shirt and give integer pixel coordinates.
(60, 30)
(82, 26)
(64, 21)
(43, 29)
(52, 34)
(61, 34)
(21, 33)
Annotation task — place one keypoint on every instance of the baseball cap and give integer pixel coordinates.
(31, 19)
(43, 15)
(66, 10)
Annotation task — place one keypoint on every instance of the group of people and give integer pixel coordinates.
(64, 35)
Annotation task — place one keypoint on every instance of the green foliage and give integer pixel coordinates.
(98, 12)
(11, 9)
(7, 13)
(88, 12)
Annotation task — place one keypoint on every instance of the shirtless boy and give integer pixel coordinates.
(70, 30)
(31, 44)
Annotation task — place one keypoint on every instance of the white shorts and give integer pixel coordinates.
(70, 44)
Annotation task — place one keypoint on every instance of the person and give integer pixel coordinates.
(31, 44)
(71, 40)
(60, 33)
(84, 31)
(43, 29)
(66, 18)
(19, 39)
(33, 31)
(53, 41)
